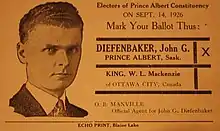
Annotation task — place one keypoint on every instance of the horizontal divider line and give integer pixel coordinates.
(153, 39)
(44, 121)
(153, 65)
(120, 121)
(161, 121)
(154, 92)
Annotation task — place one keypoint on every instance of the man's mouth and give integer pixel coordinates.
(61, 76)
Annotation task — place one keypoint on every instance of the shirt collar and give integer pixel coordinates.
(46, 100)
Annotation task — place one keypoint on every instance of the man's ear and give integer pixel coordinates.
(20, 53)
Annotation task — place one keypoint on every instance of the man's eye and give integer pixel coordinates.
(50, 50)
(73, 50)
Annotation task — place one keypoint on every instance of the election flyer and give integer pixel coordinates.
(110, 65)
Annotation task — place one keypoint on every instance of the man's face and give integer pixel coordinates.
(52, 56)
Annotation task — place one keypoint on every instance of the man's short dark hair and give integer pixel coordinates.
(61, 14)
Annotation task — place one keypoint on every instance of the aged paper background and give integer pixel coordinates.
(90, 79)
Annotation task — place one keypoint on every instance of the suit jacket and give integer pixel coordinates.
(25, 104)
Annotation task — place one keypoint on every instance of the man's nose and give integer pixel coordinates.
(62, 59)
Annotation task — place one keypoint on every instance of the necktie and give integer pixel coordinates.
(59, 110)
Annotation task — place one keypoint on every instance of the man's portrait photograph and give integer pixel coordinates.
(50, 48)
